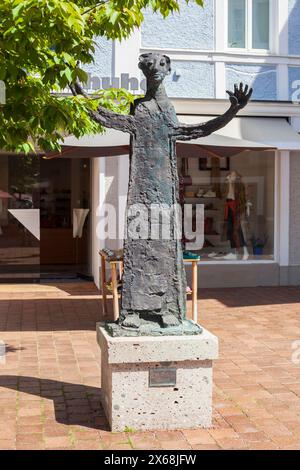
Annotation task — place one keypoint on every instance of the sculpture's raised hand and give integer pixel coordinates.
(240, 97)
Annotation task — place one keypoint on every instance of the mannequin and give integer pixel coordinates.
(235, 209)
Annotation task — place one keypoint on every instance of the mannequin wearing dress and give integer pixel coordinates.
(235, 208)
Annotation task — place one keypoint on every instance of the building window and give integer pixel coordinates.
(249, 24)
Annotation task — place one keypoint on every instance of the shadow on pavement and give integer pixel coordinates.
(74, 404)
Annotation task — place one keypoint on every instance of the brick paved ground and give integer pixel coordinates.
(49, 386)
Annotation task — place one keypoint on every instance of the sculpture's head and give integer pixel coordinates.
(155, 66)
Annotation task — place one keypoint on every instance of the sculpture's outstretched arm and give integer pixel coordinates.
(239, 99)
(105, 117)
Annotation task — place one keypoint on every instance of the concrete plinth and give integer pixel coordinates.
(153, 383)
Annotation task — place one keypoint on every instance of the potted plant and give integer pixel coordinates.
(258, 244)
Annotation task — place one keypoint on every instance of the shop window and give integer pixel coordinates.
(249, 24)
(44, 217)
(65, 221)
(238, 198)
(19, 227)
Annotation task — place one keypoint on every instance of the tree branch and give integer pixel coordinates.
(95, 6)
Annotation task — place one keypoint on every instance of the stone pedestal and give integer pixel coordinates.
(153, 383)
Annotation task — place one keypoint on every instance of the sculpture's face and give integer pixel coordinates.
(155, 67)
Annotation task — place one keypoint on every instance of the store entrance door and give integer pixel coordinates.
(65, 218)
(19, 218)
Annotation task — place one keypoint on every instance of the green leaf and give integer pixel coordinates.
(15, 11)
(114, 17)
(68, 74)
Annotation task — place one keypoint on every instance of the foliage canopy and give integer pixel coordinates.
(41, 44)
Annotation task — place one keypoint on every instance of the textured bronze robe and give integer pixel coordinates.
(154, 277)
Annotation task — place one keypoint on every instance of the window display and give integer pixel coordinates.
(19, 195)
(238, 205)
(234, 215)
(46, 196)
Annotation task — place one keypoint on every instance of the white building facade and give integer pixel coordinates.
(256, 42)
(229, 41)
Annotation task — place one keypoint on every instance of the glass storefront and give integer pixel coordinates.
(44, 217)
(19, 204)
(45, 211)
(65, 218)
(238, 198)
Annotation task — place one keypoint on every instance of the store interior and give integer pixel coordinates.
(44, 218)
(64, 191)
(237, 193)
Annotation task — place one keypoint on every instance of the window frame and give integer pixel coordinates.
(248, 30)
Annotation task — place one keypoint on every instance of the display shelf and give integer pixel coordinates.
(196, 199)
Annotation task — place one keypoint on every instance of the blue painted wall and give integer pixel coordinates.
(196, 80)
(193, 28)
(102, 65)
(294, 27)
(263, 79)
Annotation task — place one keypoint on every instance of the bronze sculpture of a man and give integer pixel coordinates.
(153, 297)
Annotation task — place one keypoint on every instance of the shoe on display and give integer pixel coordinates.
(210, 193)
(230, 257)
(214, 254)
(200, 192)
